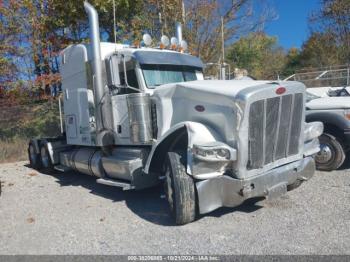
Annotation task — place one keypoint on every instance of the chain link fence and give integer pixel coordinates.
(336, 76)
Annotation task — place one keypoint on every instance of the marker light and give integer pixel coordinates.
(281, 90)
(147, 39)
(136, 43)
(183, 45)
(164, 40)
(174, 42)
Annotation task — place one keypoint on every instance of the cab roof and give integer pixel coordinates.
(148, 55)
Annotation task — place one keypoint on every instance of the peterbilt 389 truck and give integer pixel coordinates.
(138, 117)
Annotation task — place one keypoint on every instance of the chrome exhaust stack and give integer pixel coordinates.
(179, 32)
(102, 115)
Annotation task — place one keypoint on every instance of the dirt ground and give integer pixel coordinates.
(71, 214)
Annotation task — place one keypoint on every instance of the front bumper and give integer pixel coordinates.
(227, 191)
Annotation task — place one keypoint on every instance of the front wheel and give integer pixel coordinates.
(180, 189)
(331, 155)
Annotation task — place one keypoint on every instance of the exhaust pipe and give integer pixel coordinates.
(100, 107)
(179, 32)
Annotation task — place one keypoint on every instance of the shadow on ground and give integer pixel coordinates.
(346, 164)
(146, 203)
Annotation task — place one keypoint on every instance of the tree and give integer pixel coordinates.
(33, 32)
(10, 30)
(71, 14)
(332, 24)
(320, 50)
(259, 54)
(202, 21)
(292, 62)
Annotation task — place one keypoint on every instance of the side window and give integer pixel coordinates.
(130, 74)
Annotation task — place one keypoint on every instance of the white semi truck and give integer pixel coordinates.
(138, 117)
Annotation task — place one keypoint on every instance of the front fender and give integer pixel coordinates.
(197, 133)
(335, 118)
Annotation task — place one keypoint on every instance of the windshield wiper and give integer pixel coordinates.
(152, 86)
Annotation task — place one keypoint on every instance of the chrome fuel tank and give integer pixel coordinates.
(84, 160)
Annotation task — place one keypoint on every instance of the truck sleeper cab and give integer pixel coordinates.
(137, 117)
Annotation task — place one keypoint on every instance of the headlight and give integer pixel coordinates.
(214, 152)
(313, 130)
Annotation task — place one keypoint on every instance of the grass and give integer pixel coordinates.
(13, 150)
(18, 124)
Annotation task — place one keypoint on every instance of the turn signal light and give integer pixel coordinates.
(347, 114)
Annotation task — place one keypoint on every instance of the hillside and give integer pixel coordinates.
(21, 122)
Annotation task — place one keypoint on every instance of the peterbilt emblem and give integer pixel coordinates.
(280, 90)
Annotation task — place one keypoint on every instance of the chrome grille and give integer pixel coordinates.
(274, 129)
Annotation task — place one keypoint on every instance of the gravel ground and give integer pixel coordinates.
(71, 214)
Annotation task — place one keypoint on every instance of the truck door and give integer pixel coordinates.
(128, 84)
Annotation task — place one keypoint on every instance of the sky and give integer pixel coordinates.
(291, 26)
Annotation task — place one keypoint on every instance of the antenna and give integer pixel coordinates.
(114, 27)
(223, 39)
(222, 67)
(183, 12)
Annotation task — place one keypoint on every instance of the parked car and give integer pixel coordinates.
(332, 107)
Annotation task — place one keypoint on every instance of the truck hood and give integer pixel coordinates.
(229, 88)
(324, 103)
(217, 100)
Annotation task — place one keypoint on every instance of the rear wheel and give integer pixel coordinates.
(331, 155)
(180, 189)
(46, 159)
(34, 158)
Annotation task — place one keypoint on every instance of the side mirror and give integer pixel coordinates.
(112, 71)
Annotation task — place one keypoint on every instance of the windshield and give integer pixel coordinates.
(156, 75)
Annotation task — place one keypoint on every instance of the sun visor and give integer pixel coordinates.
(167, 58)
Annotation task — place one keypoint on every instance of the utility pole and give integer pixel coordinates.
(222, 70)
(114, 26)
(183, 11)
(160, 18)
(223, 39)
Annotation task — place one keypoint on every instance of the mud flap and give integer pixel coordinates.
(276, 191)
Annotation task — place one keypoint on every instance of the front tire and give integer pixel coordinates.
(180, 189)
(331, 155)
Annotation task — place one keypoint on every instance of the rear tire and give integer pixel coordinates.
(46, 162)
(331, 155)
(34, 158)
(180, 189)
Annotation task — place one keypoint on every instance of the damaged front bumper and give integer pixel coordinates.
(229, 192)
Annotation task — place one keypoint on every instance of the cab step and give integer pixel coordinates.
(116, 183)
(62, 168)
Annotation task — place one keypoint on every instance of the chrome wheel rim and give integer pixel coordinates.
(32, 154)
(325, 154)
(44, 157)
